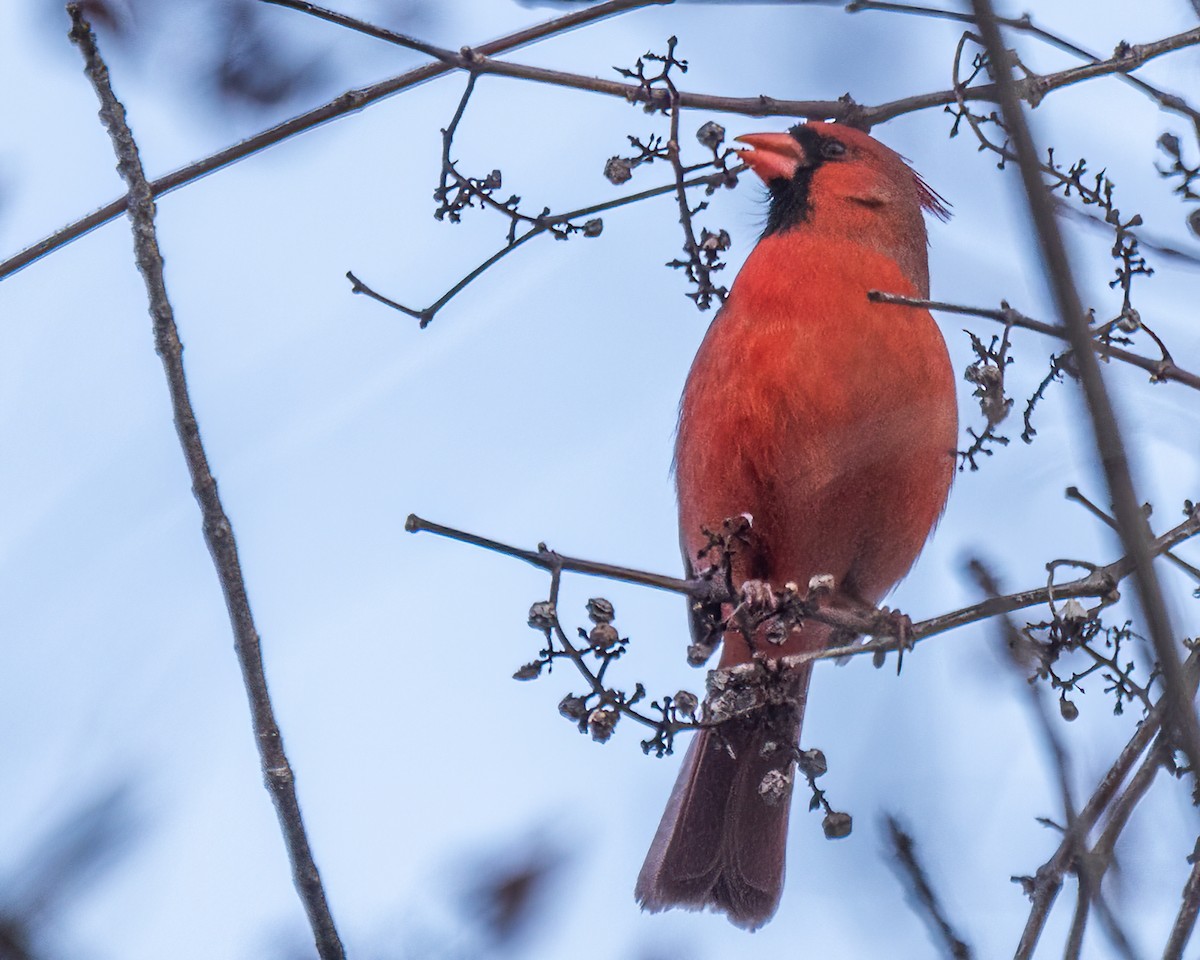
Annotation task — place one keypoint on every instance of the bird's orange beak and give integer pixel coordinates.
(775, 155)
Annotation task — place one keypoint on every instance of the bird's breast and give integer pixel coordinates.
(829, 419)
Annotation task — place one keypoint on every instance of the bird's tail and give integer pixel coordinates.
(721, 841)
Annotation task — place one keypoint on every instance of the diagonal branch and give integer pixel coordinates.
(1109, 444)
(1158, 369)
(218, 534)
(349, 102)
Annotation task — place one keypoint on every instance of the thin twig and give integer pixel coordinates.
(218, 533)
(1089, 879)
(1168, 101)
(546, 223)
(1158, 369)
(1128, 58)
(1044, 886)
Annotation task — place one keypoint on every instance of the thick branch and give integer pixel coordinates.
(218, 533)
(1109, 445)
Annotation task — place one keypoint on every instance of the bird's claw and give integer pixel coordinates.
(758, 597)
(900, 626)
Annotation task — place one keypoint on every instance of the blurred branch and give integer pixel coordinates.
(1109, 445)
(918, 882)
(1072, 493)
(218, 533)
(1089, 877)
(1159, 370)
(1185, 922)
(1043, 887)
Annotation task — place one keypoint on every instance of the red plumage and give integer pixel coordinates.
(831, 421)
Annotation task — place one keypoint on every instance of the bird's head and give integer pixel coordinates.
(833, 172)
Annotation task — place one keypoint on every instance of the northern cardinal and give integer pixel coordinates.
(830, 422)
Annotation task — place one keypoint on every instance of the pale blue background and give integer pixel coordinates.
(539, 406)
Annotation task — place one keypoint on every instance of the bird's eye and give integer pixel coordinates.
(832, 149)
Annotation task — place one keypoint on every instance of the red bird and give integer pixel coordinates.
(831, 422)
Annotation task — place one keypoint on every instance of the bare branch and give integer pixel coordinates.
(1158, 369)
(1072, 493)
(1109, 445)
(1023, 23)
(348, 102)
(1181, 931)
(931, 908)
(845, 110)
(1102, 582)
(218, 533)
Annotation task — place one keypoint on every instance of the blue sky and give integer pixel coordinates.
(539, 405)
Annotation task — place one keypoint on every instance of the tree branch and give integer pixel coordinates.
(218, 533)
(1158, 369)
(477, 60)
(1102, 582)
(1109, 445)
(349, 102)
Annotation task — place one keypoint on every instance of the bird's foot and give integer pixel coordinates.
(758, 596)
(900, 626)
(757, 604)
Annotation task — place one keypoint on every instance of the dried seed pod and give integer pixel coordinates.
(603, 637)
(1068, 709)
(837, 825)
(1072, 610)
(686, 703)
(600, 610)
(542, 615)
(593, 227)
(812, 763)
(530, 671)
(601, 723)
(572, 707)
(711, 135)
(618, 170)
